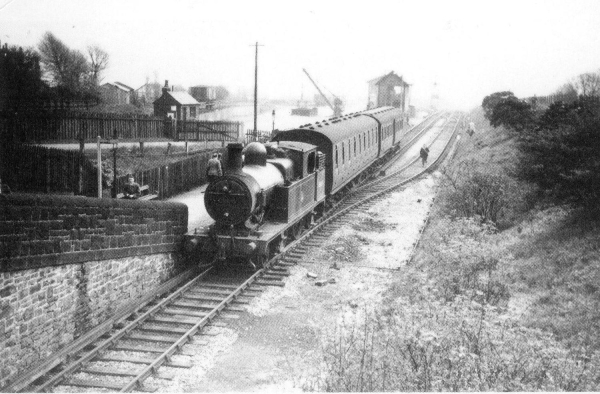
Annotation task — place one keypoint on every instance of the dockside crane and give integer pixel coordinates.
(337, 106)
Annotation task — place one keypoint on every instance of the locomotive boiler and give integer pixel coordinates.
(247, 188)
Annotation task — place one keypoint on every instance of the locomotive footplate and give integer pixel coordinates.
(256, 243)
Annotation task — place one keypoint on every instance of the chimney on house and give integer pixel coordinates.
(165, 89)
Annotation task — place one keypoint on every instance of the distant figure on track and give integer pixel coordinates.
(131, 190)
(471, 129)
(424, 153)
(214, 169)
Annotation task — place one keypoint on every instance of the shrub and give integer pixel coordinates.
(478, 192)
(504, 109)
(458, 346)
(562, 155)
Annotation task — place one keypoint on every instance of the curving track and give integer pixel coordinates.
(157, 330)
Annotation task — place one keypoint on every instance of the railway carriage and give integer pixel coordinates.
(271, 192)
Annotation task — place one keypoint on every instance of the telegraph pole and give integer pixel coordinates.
(255, 88)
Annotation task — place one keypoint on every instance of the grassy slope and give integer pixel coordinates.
(479, 308)
(548, 257)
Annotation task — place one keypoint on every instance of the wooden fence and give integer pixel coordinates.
(50, 127)
(208, 130)
(174, 178)
(35, 169)
(258, 135)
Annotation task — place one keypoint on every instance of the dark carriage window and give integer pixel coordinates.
(354, 146)
(336, 157)
(343, 153)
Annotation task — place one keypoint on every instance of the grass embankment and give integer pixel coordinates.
(512, 305)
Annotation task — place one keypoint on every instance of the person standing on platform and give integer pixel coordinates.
(214, 169)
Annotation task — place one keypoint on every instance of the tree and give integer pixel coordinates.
(20, 78)
(562, 154)
(567, 93)
(66, 68)
(588, 84)
(511, 112)
(98, 63)
(489, 102)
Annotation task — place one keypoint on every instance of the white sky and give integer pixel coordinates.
(470, 48)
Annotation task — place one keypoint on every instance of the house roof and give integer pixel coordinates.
(118, 85)
(380, 79)
(183, 98)
(124, 86)
(151, 84)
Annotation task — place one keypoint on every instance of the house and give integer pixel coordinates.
(204, 94)
(389, 90)
(177, 105)
(116, 93)
(148, 92)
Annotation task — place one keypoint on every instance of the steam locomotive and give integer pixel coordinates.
(270, 193)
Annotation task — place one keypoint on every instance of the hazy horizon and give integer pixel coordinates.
(469, 48)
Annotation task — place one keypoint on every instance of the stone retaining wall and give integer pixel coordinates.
(97, 255)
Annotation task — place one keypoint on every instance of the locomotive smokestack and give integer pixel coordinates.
(234, 157)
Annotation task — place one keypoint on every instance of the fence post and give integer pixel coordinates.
(81, 157)
(99, 158)
(48, 180)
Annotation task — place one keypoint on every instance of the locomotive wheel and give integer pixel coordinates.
(277, 246)
(298, 229)
(362, 178)
(261, 261)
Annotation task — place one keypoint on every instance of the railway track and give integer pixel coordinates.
(137, 346)
(365, 196)
(133, 348)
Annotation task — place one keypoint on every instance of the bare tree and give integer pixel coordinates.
(65, 67)
(588, 84)
(98, 63)
(566, 93)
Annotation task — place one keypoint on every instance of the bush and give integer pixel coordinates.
(562, 154)
(458, 346)
(504, 109)
(477, 192)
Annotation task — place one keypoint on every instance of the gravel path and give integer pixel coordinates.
(275, 345)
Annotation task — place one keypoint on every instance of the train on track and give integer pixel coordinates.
(271, 193)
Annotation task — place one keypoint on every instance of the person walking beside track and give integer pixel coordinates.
(214, 169)
(424, 153)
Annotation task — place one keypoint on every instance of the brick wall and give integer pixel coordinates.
(68, 263)
(43, 230)
(44, 309)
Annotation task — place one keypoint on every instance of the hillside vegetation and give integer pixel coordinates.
(503, 292)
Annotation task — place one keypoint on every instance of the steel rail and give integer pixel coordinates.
(420, 129)
(388, 176)
(185, 337)
(167, 354)
(374, 195)
(118, 335)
